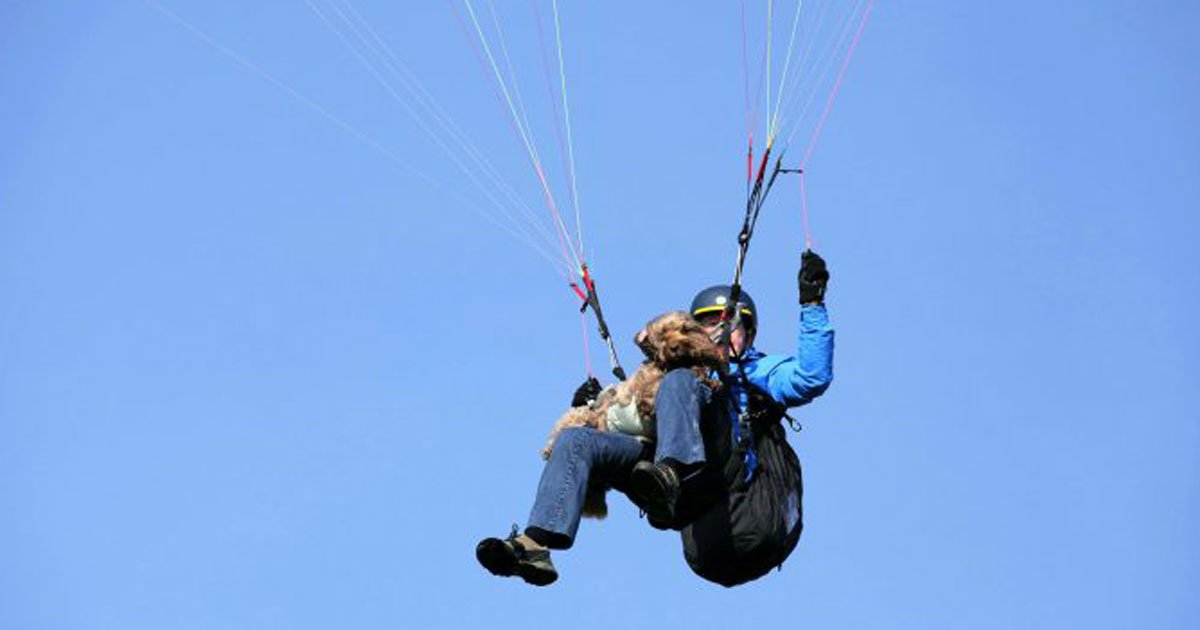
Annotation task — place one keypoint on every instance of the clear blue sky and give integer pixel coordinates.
(253, 374)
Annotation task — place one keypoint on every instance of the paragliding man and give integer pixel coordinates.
(721, 471)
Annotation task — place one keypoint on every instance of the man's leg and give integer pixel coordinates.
(672, 490)
(678, 411)
(580, 455)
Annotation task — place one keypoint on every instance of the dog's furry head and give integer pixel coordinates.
(674, 340)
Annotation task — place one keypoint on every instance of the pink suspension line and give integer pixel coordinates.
(549, 197)
(804, 212)
(587, 351)
(837, 85)
(558, 130)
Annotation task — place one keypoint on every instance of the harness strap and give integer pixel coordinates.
(743, 432)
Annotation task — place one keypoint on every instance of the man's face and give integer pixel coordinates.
(739, 339)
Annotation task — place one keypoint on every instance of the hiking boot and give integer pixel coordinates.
(509, 556)
(654, 487)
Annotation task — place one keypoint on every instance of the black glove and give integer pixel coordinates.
(586, 392)
(812, 278)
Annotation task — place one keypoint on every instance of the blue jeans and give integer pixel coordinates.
(582, 456)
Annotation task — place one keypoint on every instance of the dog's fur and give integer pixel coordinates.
(672, 340)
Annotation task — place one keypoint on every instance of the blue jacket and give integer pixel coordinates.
(794, 380)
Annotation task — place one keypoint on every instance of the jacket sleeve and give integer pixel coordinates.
(796, 380)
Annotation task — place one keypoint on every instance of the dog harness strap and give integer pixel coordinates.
(624, 419)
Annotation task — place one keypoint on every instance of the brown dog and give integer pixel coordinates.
(672, 340)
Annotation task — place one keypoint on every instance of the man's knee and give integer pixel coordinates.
(572, 437)
(679, 381)
(680, 394)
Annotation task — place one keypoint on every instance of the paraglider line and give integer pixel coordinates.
(746, 80)
(837, 85)
(411, 86)
(804, 211)
(587, 352)
(564, 241)
(562, 76)
(558, 131)
(773, 125)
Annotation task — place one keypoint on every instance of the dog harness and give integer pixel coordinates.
(625, 419)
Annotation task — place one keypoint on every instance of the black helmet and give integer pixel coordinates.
(714, 298)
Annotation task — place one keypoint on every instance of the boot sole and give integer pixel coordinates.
(500, 559)
(497, 557)
(535, 575)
